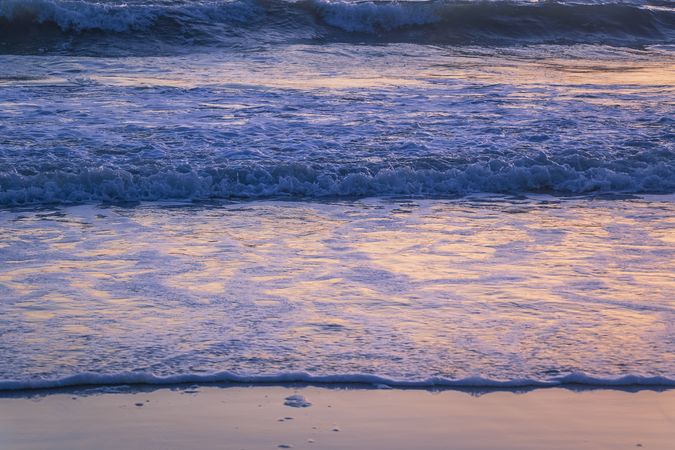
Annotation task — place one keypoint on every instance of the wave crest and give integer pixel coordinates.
(79, 15)
(500, 18)
(298, 180)
(436, 21)
(376, 16)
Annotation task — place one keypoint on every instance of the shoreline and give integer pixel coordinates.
(461, 386)
(339, 417)
(574, 381)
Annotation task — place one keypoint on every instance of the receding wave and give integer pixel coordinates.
(436, 21)
(304, 181)
(140, 378)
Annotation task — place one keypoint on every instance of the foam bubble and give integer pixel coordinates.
(297, 401)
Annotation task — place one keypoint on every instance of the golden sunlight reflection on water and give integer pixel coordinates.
(523, 284)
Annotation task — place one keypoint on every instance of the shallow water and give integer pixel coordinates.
(409, 190)
(408, 290)
(356, 121)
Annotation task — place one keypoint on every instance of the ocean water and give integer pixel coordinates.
(413, 193)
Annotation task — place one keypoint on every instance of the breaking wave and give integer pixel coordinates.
(302, 181)
(436, 21)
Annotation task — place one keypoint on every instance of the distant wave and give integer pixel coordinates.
(78, 15)
(303, 181)
(139, 378)
(435, 21)
(505, 18)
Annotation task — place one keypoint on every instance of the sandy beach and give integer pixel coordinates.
(243, 417)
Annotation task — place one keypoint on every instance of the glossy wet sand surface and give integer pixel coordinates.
(256, 418)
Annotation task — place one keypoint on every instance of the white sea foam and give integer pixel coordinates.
(465, 130)
(297, 401)
(96, 185)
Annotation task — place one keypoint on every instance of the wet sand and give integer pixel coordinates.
(242, 417)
